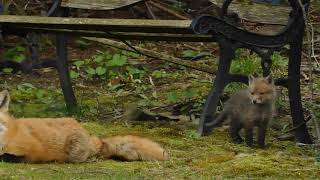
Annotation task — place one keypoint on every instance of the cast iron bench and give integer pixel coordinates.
(222, 29)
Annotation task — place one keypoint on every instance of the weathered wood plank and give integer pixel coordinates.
(260, 13)
(121, 25)
(98, 4)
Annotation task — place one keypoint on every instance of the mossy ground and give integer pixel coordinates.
(192, 157)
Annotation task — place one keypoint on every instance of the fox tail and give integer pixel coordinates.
(132, 148)
(219, 120)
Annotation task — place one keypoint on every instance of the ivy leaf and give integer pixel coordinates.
(99, 58)
(19, 58)
(78, 64)
(91, 71)
(74, 74)
(101, 71)
(118, 60)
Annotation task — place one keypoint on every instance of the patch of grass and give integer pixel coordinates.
(191, 158)
(41, 102)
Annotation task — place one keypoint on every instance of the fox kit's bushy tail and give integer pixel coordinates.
(219, 120)
(132, 148)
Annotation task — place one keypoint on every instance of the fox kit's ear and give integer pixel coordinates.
(4, 101)
(270, 79)
(250, 78)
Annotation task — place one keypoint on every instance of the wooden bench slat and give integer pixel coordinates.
(121, 25)
(259, 13)
(98, 4)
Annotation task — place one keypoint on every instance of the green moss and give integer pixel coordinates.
(192, 157)
(206, 157)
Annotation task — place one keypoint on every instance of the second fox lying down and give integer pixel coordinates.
(64, 140)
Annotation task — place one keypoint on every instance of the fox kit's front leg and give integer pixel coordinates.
(262, 129)
(249, 134)
(261, 136)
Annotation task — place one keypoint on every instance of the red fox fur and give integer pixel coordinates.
(64, 140)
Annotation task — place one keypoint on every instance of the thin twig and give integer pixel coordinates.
(169, 11)
(149, 10)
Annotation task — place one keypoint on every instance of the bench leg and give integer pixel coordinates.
(62, 67)
(221, 80)
(301, 133)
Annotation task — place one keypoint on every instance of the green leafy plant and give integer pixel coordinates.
(16, 54)
(279, 63)
(112, 67)
(38, 95)
(7, 70)
(189, 53)
(245, 64)
(160, 74)
(174, 96)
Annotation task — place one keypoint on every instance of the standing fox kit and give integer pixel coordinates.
(249, 108)
(64, 140)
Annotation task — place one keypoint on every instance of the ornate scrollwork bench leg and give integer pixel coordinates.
(296, 40)
(227, 53)
(230, 37)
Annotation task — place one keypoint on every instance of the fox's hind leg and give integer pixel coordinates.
(235, 127)
(77, 147)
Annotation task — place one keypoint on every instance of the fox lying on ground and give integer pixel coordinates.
(64, 140)
(249, 108)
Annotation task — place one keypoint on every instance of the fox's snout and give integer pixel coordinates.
(256, 100)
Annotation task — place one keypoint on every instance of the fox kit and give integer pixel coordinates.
(64, 140)
(249, 108)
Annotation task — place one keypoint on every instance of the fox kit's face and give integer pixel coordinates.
(4, 104)
(261, 90)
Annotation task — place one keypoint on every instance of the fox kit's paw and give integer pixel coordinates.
(249, 142)
(263, 146)
(237, 140)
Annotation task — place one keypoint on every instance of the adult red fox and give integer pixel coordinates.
(249, 108)
(64, 140)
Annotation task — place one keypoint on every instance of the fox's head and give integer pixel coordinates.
(261, 90)
(4, 118)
